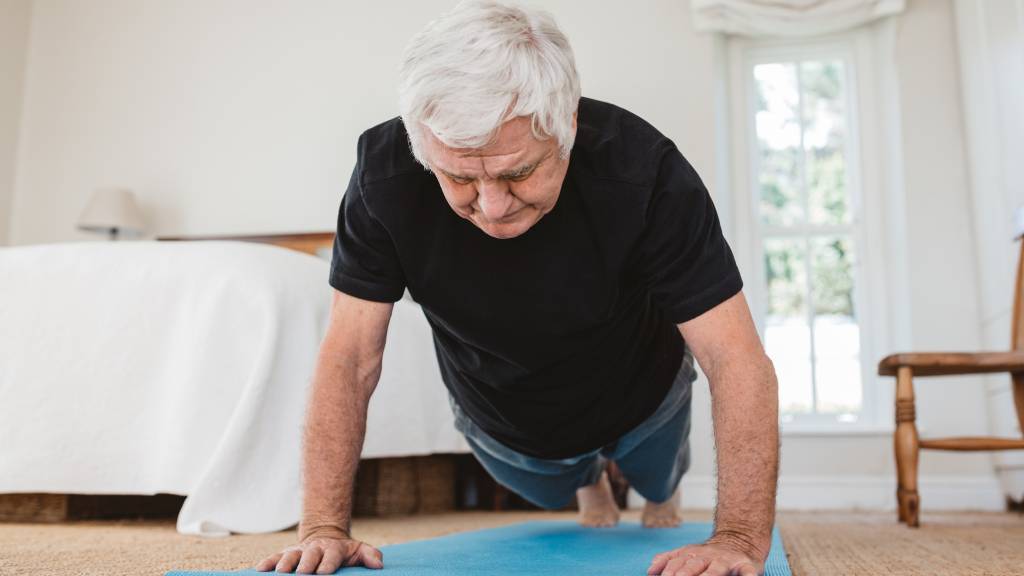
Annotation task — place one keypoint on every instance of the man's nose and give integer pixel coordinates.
(494, 198)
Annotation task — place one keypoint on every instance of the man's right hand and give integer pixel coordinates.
(323, 555)
(347, 370)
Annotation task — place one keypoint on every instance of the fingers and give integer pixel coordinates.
(268, 563)
(747, 569)
(323, 557)
(366, 555)
(658, 563)
(331, 561)
(661, 560)
(687, 565)
(288, 561)
(696, 566)
(310, 560)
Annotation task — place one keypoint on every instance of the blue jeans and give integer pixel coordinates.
(653, 456)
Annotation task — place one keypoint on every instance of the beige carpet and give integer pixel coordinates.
(818, 544)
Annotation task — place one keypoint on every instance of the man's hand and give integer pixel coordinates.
(347, 371)
(323, 554)
(745, 412)
(715, 557)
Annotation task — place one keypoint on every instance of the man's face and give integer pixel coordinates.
(503, 188)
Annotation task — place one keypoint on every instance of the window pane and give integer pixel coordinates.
(787, 334)
(836, 332)
(837, 366)
(832, 275)
(778, 135)
(812, 332)
(824, 122)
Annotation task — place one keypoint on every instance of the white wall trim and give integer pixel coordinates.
(945, 493)
(723, 195)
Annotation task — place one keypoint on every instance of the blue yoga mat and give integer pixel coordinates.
(544, 548)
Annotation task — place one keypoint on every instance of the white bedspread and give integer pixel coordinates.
(145, 367)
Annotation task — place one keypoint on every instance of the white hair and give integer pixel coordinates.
(484, 63)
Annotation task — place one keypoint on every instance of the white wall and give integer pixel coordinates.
(234, 116)
(991, 36)
(943, 276)
(14, 27)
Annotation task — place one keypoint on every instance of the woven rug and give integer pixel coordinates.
(818, 543)
(962, 544)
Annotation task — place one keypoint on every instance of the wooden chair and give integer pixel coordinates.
(906, 366)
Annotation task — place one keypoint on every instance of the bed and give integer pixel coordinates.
(182, 367)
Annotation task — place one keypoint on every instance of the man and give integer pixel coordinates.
(571, 265)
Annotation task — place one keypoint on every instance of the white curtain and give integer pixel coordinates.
(788, 17)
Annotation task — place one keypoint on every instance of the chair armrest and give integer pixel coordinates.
(946, 363)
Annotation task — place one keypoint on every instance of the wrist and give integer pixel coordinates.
(323, 528)
(753, 545)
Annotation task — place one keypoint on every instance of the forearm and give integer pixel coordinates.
(332, 443)
(745, 413)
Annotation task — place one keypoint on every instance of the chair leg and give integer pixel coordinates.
(906, 447)
(901, 490)
(913, 504)
(901, 504)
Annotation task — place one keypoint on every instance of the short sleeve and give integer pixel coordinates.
(682, 255)
(364, 262)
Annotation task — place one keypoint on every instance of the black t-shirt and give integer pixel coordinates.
(562, 339)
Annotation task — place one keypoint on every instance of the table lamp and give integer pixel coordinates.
(111, 210)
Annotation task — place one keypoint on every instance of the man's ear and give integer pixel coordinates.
(574, 120)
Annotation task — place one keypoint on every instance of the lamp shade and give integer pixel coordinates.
(111, 209)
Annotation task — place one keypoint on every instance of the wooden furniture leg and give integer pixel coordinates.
(906, 445)
(1018, 397)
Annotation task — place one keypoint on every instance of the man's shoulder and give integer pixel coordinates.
(613, 143)
(384, 154)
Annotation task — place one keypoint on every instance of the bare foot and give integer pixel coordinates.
(597, 504)
(663, 515)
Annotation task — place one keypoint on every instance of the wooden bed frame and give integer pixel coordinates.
(314, 243)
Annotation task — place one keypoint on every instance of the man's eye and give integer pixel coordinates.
(520, 178)
(461, 180)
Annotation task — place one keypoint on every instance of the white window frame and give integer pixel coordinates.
(881, 292)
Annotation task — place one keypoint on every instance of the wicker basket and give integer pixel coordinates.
(402, 486)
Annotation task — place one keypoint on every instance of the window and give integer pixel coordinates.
(802, 168)
(805, 148)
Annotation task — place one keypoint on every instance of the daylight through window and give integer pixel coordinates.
(806, 220)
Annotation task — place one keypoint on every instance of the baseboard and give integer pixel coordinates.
(947, 493)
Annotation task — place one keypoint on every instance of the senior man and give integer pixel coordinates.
(571, 266)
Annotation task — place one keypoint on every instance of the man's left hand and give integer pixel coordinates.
(712, 558)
